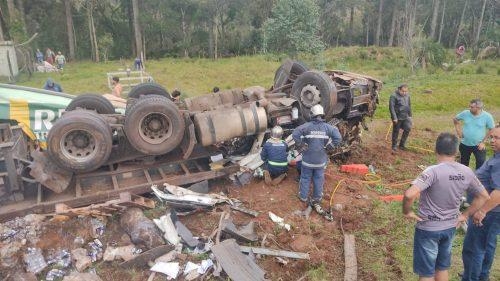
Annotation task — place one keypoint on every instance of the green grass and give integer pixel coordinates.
(451, 92)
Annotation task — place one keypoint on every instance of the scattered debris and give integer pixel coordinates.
(34, 260)
(182, 197)
(170, 256)
(142, 231)
(61, 258)
(280, 221)
(125, 253)
(142, 259)
(98, 227)
(200, 187)
(171, 269)
(351, 267)
(273, 252)
(239, 207)
(166, 225)
(108, 208)
(281, 260)
(236, 265)
(81, 259)
(246, 233)
(8, 253)
(79, 276)
(54, 274)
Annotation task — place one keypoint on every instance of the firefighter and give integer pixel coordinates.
(274, 154)
(313, 138)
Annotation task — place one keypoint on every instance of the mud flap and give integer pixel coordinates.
(48, 174)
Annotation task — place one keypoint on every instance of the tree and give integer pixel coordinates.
(435, 12)
(137, 28)
(379, 22)
(293, 27)
(69, 28)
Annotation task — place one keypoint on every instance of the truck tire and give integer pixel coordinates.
(149, 88)
(314, 87)
(283, 76)
(154, 125)
(80, 141)
(92, 102)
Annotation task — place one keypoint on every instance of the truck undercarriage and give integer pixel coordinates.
(93, 153)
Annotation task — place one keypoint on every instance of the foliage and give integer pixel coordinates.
(293, 28)
(429, 52)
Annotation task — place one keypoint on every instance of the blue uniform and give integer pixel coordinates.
(480, 242)
(274, 154)
(316, 134)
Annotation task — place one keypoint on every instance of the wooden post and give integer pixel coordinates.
(351, 267)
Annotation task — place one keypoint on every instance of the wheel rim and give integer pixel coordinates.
(310, 96)
(79, 145)
(155, 128)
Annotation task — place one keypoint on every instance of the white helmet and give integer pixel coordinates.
(276, 132)
(317, 110)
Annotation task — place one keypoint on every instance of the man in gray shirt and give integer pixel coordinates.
(440, 187)
(400, 108)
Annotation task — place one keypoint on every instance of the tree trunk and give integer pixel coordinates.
(22, 16)
(11, 8)
(367, 39)
(393, 27)
(379, 22)
(137, 28)
(96, 47)
(216, 38)
(459, 29)
(435, 13)
(69, 28)
(131, 27)
(1, 32)
(351, 24)
(184, 33)
(442, 21)
(479, 26)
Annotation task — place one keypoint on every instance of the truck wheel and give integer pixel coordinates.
(314, 87)
(80, 141)
(154, 125)
(288, 72)
(148, 89)
(92, 102)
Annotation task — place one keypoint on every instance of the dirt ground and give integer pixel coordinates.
(322, 239)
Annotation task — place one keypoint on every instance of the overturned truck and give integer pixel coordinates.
(94, 153)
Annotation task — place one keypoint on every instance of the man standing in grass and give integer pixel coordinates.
(477, 125)
(440, 188)
(484, 226)
(400, 108)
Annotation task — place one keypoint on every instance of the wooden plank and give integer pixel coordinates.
(273, 252)
(351, 267)
(9, 212)
(115, 182)
(148, 176)
(245, 210)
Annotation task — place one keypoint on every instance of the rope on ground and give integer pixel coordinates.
(369, 178)
(411, 146)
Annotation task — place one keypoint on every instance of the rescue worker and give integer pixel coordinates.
(275, 155)
(313, 138)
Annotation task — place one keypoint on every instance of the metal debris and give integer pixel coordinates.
(236, 265)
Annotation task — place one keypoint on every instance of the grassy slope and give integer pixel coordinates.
(451, 92)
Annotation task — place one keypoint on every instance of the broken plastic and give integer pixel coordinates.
(35, 262)
(54, 273)
(280, 221)
(171, 269)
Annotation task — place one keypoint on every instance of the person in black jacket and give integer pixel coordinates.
(400, 108)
